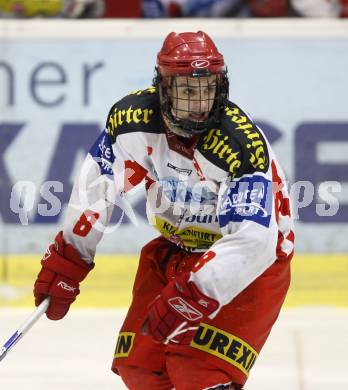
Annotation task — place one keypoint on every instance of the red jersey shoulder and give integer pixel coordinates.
(138, 111)
(236, 145)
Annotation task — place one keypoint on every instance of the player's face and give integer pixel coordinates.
(192, 97)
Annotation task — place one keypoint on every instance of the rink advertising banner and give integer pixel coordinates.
(317, 279)
(57, 85)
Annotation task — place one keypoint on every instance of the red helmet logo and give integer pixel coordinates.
(200, 64)
(183, 53)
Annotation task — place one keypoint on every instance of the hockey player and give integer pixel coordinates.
(209, 289)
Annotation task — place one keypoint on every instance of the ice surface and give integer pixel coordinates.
(306, 351)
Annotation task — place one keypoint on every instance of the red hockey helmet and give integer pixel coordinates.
(194, 56)
(185, 53)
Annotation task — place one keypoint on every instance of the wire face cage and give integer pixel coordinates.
(193, 103)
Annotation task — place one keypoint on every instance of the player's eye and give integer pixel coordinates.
(189, 91)
(212, 88)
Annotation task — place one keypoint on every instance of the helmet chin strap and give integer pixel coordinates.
(177, 129)
(183, 131)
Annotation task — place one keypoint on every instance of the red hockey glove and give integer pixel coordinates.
(174, 315)
(62, 271)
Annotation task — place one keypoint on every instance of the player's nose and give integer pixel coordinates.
(200, 105)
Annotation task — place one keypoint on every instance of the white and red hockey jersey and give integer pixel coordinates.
(224, 194)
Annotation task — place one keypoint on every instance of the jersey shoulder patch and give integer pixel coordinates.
(137, 112)
(251, 139)
(236, 145)
(220, 148)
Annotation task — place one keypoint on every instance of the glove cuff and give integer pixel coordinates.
(63, 259)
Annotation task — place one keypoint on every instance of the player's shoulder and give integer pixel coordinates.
(236, 145)
(138, 111)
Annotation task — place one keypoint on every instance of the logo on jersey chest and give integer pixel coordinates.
(205, 219)
(249, 198)
(181, 171)
(176, 190)
(192, 237)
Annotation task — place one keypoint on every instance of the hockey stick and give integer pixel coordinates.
(24, 328)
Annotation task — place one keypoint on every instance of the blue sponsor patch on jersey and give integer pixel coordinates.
(103, 154)
(249, 198)
(176, 190)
